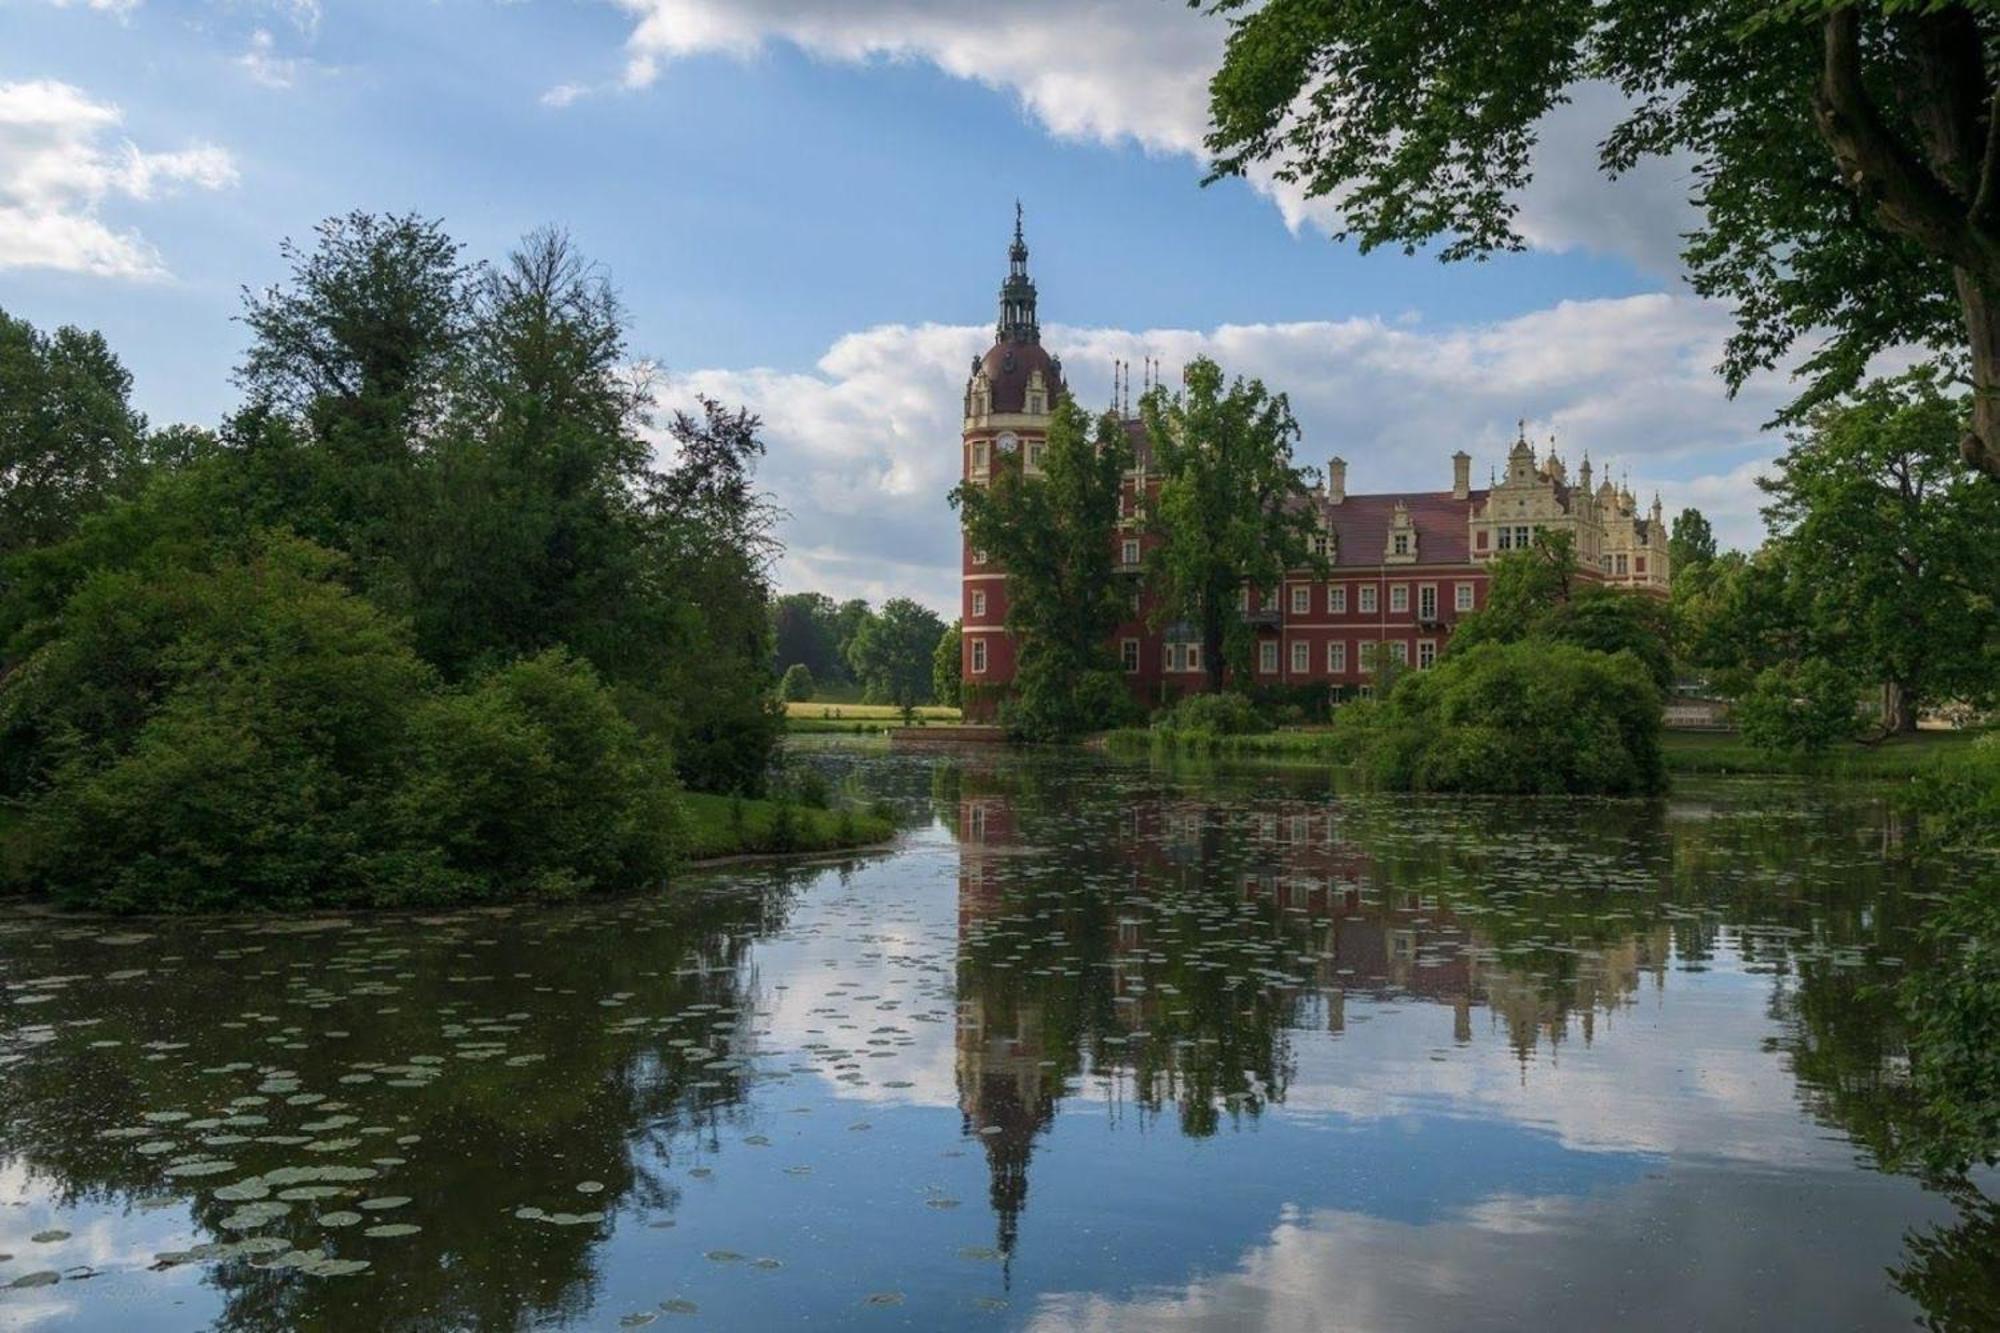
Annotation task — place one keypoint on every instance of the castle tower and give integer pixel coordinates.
(1009, 398)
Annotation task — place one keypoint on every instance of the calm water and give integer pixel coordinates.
(1096, 1046)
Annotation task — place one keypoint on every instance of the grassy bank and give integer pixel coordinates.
(822, 716)
(714, 830)
(1898, 758)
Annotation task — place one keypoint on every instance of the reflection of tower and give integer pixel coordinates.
(1004, 1093)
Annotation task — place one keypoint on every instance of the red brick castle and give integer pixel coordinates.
(1405, 565)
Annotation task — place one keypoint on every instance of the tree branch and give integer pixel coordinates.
(1906, 197)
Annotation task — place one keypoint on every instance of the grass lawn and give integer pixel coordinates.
(712, 834)
(819, 715)
(1897, 757)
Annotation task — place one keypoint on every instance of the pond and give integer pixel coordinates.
(1094, 1045)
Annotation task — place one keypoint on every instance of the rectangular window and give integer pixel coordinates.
(1267, 657)
(1402, 543)
(1171, 658)
(1128, 655)
(1368, 655)
(1523, 539)
(1243, 599)
(1301, 657)
(1319, 545)
(1399, 598)
(1034, 453)
(1621, 565)
(1336, 657)
(1367, 691)
(979, 557)
(1427, 652)
(1336, 599)
(1194, 657)
(1427, 602)
(1399, 653)
(1506, 539)
(979, 456)
(978, 604)
(1482, 539)
(1129, 552)
(1639, 564)
(1368, 599)
(1464, 596)
(978, 656)
(1302, 596)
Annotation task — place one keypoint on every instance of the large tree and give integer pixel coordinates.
(1055, 531)
(1692, 542)
(803, 634)
(891, 654)
(1231, 511)
(1846, 157)
(1892, 544)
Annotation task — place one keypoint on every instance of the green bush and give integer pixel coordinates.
(1223, 714)
(796, 686)
(1532, 717)
(1050, 706)
(1953, 1008)
(1802, 708)
(255, 736)
(1959, 798)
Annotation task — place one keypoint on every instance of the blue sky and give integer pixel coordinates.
(806, 207)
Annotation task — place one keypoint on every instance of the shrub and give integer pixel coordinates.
(796, 686)
(1532, 717)
(1959, 798)
(1801, 708)
(1050, 706)
(1223, 714)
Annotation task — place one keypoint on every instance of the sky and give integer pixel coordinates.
(806, 208)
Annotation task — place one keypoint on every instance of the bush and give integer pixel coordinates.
(283, 747)
(1803, 708)
(796, 686)
(1527, 718)
(1953, 1008)
(1224, 714)
(1048, 706)
(1958, 799)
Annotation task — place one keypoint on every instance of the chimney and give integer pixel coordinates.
(1461, 475)
(1336, 480)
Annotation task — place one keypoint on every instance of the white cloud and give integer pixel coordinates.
(119, 7)
(261, 61)
(1115, 72)
(57, 170)
(864, 447)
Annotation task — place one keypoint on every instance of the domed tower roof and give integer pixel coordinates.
(1010, 365)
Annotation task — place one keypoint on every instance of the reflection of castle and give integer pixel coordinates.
(1175, 952)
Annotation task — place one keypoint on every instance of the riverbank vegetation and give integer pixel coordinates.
(421, 622)
(722, 826)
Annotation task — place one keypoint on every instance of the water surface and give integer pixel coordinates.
(1094, 1046)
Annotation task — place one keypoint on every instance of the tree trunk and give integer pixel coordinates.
(1981, 448)
(1898, 717)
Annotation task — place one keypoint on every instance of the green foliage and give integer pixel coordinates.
(1055, 534)
(1805, 708)
(783, 835)
(948, 666)
(1526, 718)
(1959, 798)
(1535, 594)
(1889, 542)
(1953, 1011)
(282, 746)
(719, 826)
(1045, 706)
(1692, 542)
(1223, 714)
(1231, 509)
(1839, 156)
(806, 629)
(796, 686)
(891, 654)
(69, 439)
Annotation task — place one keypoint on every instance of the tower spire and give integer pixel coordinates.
(1017, 294)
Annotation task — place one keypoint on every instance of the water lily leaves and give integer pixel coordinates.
(384, 1202)
(200, 1167)
(49, 1237)
(45, 1278)
(392, 1229)
(676, 1305)
(339, 1219)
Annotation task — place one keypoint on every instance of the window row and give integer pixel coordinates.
(1367, 599)
(1184, 657)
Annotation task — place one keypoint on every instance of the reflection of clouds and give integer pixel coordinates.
(1808, 1258)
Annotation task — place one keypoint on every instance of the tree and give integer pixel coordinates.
(1805, 708)
(892, 653)
(1892, 544)
(1844, 156)
(1535, 594)
(803, 632)
(948, 666)
(1692, 542)
(1056, 533)
(796, 685)
(1532, 717)
(1231, 510)
(68, 435)
(848, 618)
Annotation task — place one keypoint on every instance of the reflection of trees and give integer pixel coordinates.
(1953, 1272)
(610, 1095)
(1163, 933)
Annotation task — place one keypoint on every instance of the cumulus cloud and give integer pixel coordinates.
(58, 167)
(1113, 72)
(119, 7)
(864, 446)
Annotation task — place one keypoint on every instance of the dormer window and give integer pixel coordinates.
(1402, 543)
